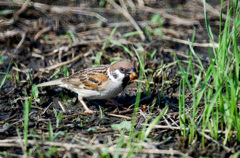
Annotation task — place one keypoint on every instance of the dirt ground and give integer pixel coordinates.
(40, 38)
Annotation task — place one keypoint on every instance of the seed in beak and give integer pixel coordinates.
(133, 76)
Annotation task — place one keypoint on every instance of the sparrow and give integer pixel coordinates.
(100, 82)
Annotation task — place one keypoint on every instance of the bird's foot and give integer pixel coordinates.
(88, 111)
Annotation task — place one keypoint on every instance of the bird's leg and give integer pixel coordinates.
(112, 102)
(87, 110)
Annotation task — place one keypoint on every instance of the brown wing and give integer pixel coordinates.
(91, 78)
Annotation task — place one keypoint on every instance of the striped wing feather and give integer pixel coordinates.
(91, 78)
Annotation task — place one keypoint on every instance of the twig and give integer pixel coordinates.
(62, 107)
(47, 69)
(214, 45)
(168, 152)
(121, 116)
(24, 6)
(212, 10)
(19, 70)
(65, 48)
(64, 10)
(46, 29)
(21, 42)
(9, 33)
(47, 108)
(52, 8)
(129, 17)
(174, 20)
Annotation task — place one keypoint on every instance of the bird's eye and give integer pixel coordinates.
(121, 69)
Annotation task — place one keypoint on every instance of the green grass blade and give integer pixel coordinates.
(130, 34)
(27, 108)
(121, 45)
(5, 76)
(50, 131)
(154, 122)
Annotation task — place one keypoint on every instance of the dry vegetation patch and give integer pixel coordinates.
(45, 40)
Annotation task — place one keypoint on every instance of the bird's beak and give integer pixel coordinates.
(130, 71)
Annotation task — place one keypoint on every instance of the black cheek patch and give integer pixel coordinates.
(114, 75)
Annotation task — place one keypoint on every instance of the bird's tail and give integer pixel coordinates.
(51, 83)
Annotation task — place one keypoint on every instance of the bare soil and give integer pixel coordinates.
(36, 39)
